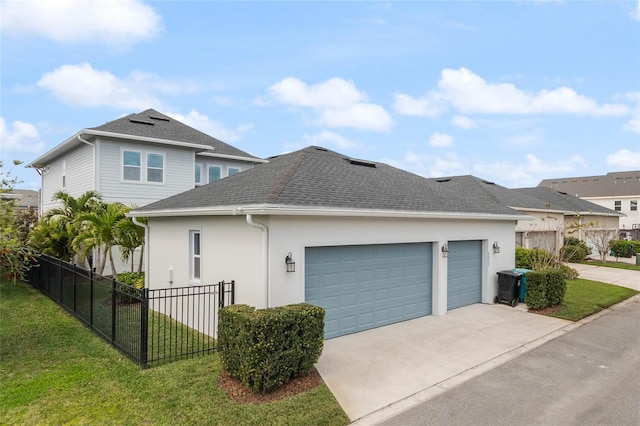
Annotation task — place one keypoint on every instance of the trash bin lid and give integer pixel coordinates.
(522, 271)
(508, 272)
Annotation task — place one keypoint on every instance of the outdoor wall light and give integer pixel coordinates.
(445, 250)
(291, 264)
(496, 247)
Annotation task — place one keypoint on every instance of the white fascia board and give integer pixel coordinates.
(266, 209)
(231, 157)
(73, 141)
(565, 212)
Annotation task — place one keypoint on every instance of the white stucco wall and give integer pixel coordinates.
(536, 231)
(632, 217)
(231, 249)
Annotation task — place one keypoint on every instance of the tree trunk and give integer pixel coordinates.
(114, 273)
(141, 257)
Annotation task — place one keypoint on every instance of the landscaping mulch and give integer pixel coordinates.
(242, 394)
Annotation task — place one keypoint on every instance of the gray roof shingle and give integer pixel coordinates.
(153, 124)
(317, 177)
(609, 185)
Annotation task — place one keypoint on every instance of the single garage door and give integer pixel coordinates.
(464, 273)
(368, 286)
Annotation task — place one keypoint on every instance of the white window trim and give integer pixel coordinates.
(193, 256)
(202, 168)
(144, 168)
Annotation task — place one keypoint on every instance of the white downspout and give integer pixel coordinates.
(265, 249)
(146, 251)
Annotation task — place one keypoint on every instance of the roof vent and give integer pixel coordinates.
(155, 117)
(444, 180)
(361, 163)
(488, 182)
(319, 148)
(139, 121)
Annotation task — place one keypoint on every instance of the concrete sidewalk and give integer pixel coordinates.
(620, 277)
(390, 368)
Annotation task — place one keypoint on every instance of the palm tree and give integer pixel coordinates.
(98, 231)
(64, 219)
(129, 237)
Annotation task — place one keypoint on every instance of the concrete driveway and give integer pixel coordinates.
(412, 360)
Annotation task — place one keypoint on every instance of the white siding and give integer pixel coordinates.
(178, 173)
(79, 175)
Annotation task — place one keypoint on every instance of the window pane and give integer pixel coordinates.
(617, 205)
(131, 173)
(196, 268)
(196, 243)
(198, 173)
(155, 161)
(233, 171)
(634, 205)
(131, 158)
(214, 173)
(154, 175)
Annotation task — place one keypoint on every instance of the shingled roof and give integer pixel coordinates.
(317, 178)
(153, 124)
(524, 198)
(609, 185)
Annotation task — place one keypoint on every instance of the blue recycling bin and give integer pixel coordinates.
(523, 282)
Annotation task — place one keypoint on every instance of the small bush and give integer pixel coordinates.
(568, 272)
(556, 286)
(134, 279)
(536, 297)
(536, 259)
(623, 248)
(573, 253)
(571, 241)
(266, 348)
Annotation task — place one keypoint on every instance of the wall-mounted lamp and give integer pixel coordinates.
(445, 250)
(170, 275)
(496, 247)
(291, 264)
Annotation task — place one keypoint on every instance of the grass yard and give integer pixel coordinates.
(585, 297)
(619, 265)
(53, 370)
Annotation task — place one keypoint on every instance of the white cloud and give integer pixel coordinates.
(450, 164)
(624, 159)
(633, 125)
(441, 140)
(212, 127)
(107, 22)
(20, 136)
(468, 93)
(337, 103)
(331, 138)
(82, 85)
(463, 122)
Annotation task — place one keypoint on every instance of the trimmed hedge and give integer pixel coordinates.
(265, 348)
(545, 288)
(624, 248)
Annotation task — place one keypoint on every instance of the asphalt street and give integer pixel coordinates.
(588, 376)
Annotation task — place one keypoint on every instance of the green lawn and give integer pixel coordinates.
(585, 297)
(53, 370)
(619, 265)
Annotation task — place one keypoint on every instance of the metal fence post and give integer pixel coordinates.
(91, 298)
(233, 292)
(144, 328)
(75, 274)
(221, 294)
(113, 310)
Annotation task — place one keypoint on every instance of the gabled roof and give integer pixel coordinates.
(562, 201)
(316, 179)
(609, 185)
(153, 127)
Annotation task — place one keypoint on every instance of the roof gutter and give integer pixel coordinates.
(269, 209)
(232, 157)
(265, 251)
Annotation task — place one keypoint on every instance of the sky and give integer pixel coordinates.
(509, 91)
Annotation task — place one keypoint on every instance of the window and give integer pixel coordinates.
(634, 205)
(194, 254)
(198, 173)
(155, 168)
(64, 174)
(617, 205)
(233, 170)
(214, 173)
(131, 165)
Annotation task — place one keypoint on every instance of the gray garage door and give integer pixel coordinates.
(464, 272)
(368, 286)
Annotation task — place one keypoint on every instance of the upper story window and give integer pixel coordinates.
(131, 165)
(232, 171)
(617, 205)
(134, 162)
(155, 167)
(214, 173)
(198, 174)
(634, 205)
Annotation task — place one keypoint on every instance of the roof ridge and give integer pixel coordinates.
(281, 183)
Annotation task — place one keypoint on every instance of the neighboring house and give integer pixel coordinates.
(555, 215)
(619, 191)
(136, 160)
(24, 199)
(372, 244)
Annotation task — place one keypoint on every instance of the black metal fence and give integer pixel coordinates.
(148, 326)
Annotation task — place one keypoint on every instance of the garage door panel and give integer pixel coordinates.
(464, 271)
(369, 286)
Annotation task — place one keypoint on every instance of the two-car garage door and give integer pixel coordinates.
(368, 286)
